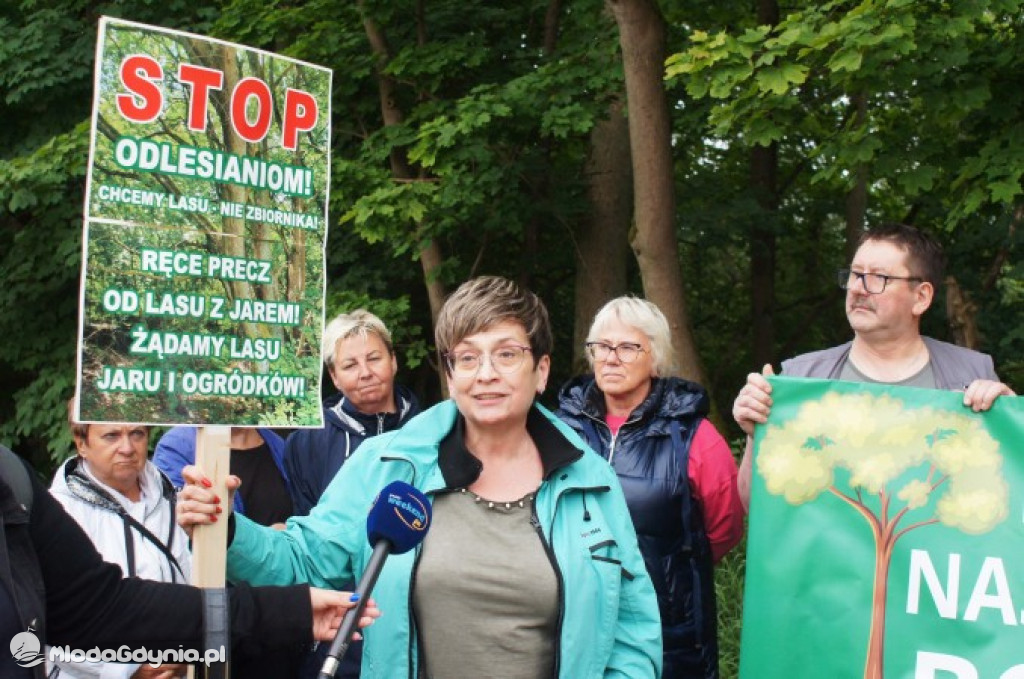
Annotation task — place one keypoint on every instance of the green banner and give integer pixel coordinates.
(886, 536)
(202, 298)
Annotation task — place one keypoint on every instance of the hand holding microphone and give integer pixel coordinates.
(398, 521)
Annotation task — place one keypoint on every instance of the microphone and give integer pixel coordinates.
(398, 521)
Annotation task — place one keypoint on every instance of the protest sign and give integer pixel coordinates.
(885, 536)
(205, 221)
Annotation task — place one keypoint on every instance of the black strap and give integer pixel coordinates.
(13, 472)
(129, 545)
(216, 628)
(146, 533)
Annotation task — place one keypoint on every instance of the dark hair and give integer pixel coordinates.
(78, 430)
(483, 302)
(924, 254)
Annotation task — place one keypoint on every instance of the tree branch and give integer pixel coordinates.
(912, 527)
(860, 507)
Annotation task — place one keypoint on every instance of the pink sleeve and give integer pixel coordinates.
(712, 473)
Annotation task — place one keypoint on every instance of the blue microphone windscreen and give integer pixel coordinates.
(400, 515)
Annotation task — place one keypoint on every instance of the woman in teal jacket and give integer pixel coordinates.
(531, 567)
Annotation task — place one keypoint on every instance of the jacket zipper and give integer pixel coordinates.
(412, 577)
(611, 447)
(615, 436)
(412, 618)
(535, 522)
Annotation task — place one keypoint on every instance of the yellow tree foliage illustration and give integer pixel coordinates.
(952, 463)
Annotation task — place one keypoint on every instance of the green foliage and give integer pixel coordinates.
(494, 132)
(792, 81)
(406, 337)
(46, 56)
(729, 577)
(40, 249)
(936, 137)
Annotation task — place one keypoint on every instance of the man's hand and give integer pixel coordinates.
(197, 503)
(754, 402)
(329, 608)
(981, 394)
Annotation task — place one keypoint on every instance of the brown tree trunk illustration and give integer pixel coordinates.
(232, 240)
(884, 530)
(874, 665)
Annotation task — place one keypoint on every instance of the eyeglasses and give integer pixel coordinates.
(874, 283)
(504, 360)
(626, 352)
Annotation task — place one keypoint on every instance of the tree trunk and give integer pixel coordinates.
(233, 239)
(541, 184)
(764, 180)
(430, 256)
(857, 198)
(764, 171)
(642, 40)
(602, 247)
(962, 315)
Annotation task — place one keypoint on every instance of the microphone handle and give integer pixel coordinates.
(381, 550)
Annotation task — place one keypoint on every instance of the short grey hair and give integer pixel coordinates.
(647, 318)
(483, 302)
(358, 322)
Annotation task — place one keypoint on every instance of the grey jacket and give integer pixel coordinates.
(955, 367)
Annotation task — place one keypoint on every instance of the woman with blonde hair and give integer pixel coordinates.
(361, 361)
(677, 472)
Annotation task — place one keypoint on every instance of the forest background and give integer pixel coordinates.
(719, 158)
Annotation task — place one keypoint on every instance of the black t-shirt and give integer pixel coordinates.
(266, 501)
(264, 494)
(9, 627)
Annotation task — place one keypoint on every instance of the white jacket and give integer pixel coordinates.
(97, 509)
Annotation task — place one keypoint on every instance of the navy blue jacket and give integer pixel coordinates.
(650, 455)
(313, 457)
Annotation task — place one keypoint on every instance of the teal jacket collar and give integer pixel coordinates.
(460, 468)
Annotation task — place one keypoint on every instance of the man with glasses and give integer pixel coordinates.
(890, 284)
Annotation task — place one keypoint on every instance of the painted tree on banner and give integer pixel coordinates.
(904, 469)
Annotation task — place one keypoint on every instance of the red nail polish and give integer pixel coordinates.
(220, 509)
(207, 483)
(213, 518)
(216, 499)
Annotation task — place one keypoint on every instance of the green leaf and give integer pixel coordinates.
(779, 79)
(846, 60)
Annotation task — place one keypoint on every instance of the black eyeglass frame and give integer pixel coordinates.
(843, 277)
(614, 349)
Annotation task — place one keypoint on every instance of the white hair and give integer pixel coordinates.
(647, 318)
(358, 322)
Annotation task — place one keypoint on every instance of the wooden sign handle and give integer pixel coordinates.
(210, 541)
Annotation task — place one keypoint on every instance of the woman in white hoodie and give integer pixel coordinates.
(126, 506)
